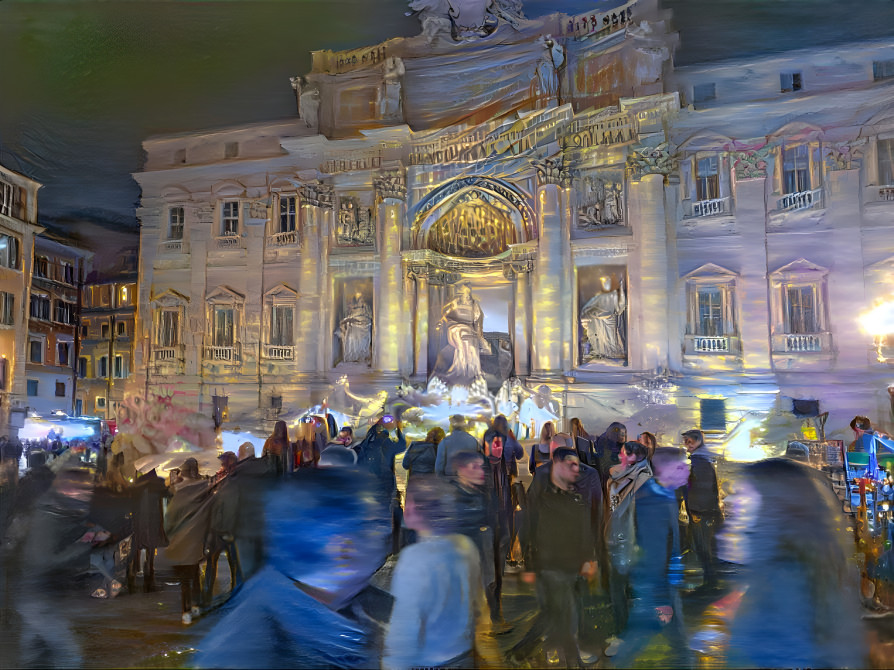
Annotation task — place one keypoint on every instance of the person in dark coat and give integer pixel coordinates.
(277, 447)
(478, 519)
(583, 442)
(702, 497)
(608, 448)
(512, 449)
(147, 495)
(560, 546)
(540, 452)
(376, 454)
(421, 456)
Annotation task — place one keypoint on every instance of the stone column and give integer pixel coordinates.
(647, 276)
(391, 328)
(846, 287)
(520, 317)
(420, 339)
(551, 295)
(751, 288)
(316, 200)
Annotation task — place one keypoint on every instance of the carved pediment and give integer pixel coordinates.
(705, 140)
(169, 298)
(798, 131)
(224, 295)
(175, 193)
(281, 293)
(710, 271)
(801, 268)
(228, 189)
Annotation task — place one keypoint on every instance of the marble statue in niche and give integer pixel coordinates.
(604, 320)
(355, 227)
(601, 204)
(355, 331)
(463, 321)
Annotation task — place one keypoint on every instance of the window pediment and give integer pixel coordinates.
(281, 293)
(284, 184)
(174, 193)
(705, 141)
(228, 189)
(711, 272)
(169, 298)
(801, 269)
(223, 295)
(798, 131)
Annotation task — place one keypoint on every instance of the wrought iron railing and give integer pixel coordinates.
(791, 202)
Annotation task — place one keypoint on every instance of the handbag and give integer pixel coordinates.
(684, 515)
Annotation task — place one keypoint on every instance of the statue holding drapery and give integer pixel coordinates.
(463, 321)
(603, 319)
(355, 331)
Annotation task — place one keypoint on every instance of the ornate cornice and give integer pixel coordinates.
(391, 184)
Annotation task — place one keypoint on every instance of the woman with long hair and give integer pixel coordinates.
(277, 447)
(540, 452)
(583, 442)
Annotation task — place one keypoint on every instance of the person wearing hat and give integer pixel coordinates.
(458, 440)
(702, 497)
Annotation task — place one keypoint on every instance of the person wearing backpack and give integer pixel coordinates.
(421, 456)
(653, 564)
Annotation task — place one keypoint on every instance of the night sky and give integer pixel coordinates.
(83, 83)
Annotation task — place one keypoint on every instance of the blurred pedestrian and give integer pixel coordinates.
(512, 449)
(477, 518)
(458, 440)
(376, 454)
(800, 607)
(649, 441)
(646, 549)
(583, 442)
(608, 448)
(422, 455)
(277, 447)
(436, 586)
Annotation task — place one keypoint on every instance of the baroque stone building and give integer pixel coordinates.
(541, 200)
(18, 228)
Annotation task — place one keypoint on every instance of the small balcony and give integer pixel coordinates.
(793, 202)
(229, 241)
(797, 343)
(285, 239)
(715, 207)
(710, 345)
(886, 194)
(167, 354)
(231, 355)
(172, 247)
(275, 352)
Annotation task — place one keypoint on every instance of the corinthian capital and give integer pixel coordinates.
(659, 159)
(553, 171)
(391, 184)
(751, 163)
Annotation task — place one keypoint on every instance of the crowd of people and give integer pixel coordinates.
(596, 518)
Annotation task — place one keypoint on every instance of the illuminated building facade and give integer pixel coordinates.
(18, 227)
(546, 201)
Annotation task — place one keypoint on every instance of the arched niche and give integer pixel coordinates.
(473, 217)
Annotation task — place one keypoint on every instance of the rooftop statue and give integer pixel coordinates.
(465, 19)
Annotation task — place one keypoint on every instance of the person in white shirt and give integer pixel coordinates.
(438, 596)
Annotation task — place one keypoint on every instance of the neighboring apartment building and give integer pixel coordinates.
(626, 250)
(105, 357)
(59, 269)
(18, 227)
